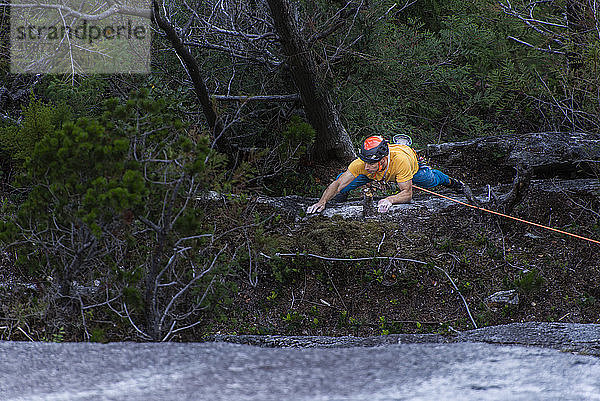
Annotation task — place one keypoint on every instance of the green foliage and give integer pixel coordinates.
(299, 130)
(284, 271)
(529, 282)
(293, 319)
(465, 287)
(98, 182)
(83, 98)
(283, 164)
(448, 244)
(17, 143)
(79, 174)
(57, 337)
(443, 71)
(374, 275)
(343, 318)
(98, 335)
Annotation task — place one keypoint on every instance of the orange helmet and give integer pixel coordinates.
(374, 149)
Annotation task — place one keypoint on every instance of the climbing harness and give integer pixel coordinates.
(508, 216)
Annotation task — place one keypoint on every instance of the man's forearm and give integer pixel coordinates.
(401, 197)
(332, 190)
(329, 193)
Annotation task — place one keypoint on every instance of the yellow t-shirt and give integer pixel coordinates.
(403, 164)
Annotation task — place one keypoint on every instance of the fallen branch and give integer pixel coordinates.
(519, 189)
(342, 259)
(260, 98)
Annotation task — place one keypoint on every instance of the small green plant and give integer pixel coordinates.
(272, 296)
(448, 245)
(284, 271)
(98, 336)
(507, 311)
(322, 278)
(587, 300)
(480, 239)
(292, 317)
(485, 317)
(383, 326)
(465, 286)
(343, 318)
(529, 282)
(374, 275)
(57, 337)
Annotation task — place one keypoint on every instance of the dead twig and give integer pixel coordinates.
(336, 290)
(380, 243)
(26, 335)
(459, 293)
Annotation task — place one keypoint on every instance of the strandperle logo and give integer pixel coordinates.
(80, 37)
(88, 32)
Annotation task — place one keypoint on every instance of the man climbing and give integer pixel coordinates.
(380, 161)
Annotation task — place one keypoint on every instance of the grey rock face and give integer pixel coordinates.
(427, 206)
(222, 371)
(541, 150)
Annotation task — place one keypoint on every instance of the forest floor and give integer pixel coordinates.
(449, 261)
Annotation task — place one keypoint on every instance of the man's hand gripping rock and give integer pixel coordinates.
(384, 205)
(316, 208)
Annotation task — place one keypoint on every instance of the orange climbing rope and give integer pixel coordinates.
(510, 217)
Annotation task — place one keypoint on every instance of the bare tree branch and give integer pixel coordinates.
(548, 50)
(185, 289)
(259, 98)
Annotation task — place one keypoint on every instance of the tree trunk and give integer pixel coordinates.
(193, 70)
(332, 140)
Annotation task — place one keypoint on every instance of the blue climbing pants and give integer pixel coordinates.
(426, 177)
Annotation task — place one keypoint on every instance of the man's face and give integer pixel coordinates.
(372, 168)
